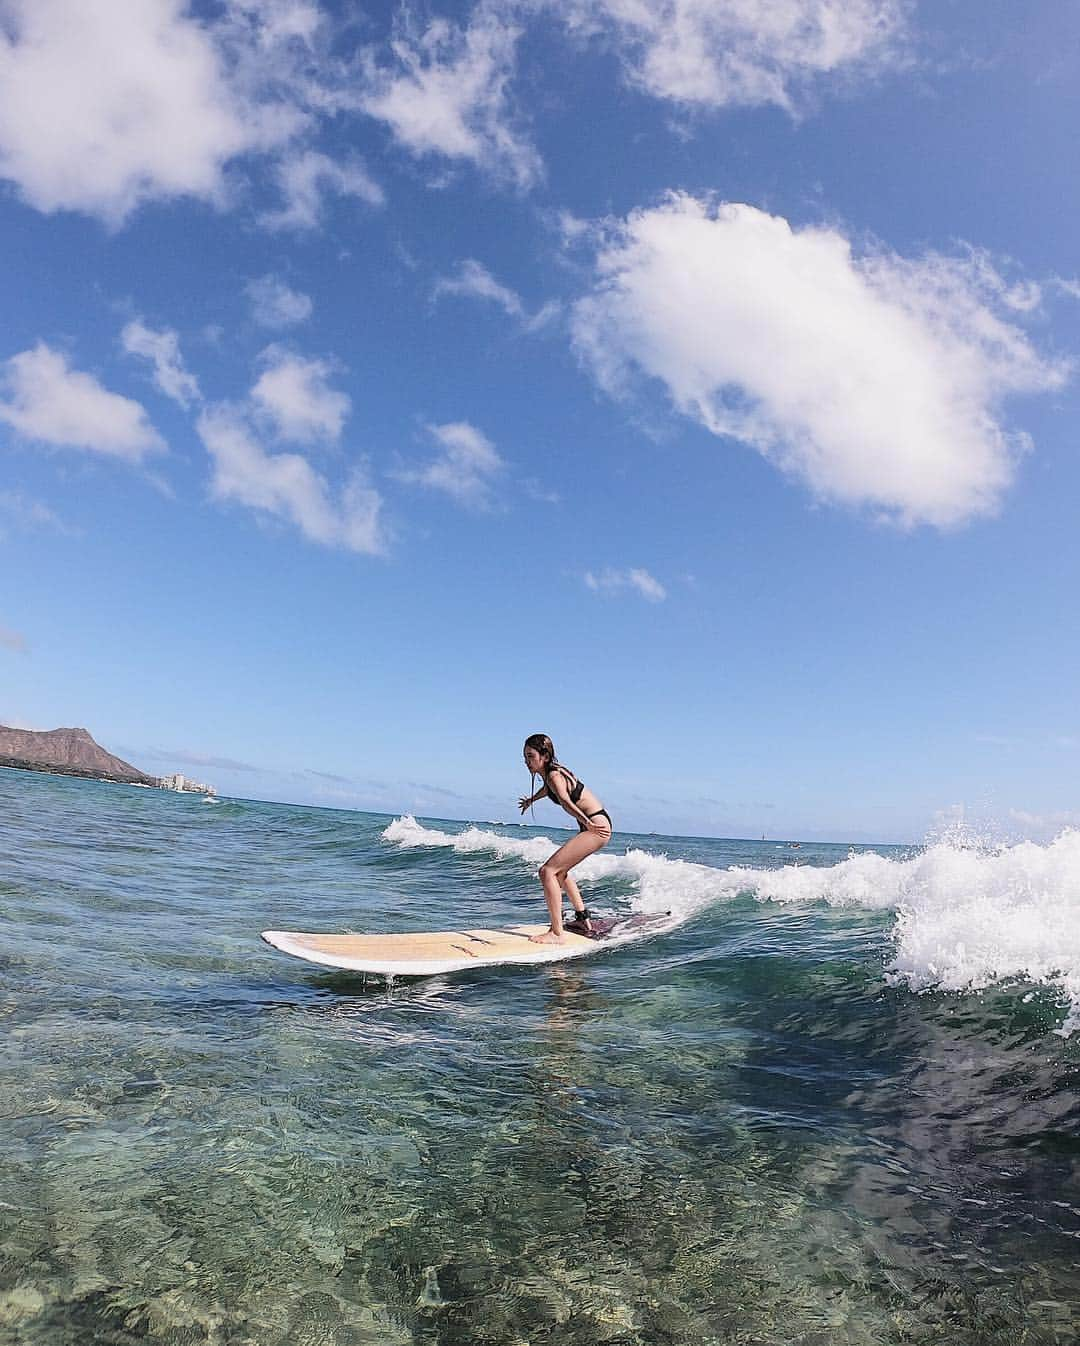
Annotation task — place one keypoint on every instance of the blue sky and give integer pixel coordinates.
(692, 380)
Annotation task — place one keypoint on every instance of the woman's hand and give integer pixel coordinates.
(524, 802)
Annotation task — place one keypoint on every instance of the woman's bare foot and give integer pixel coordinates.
(548, 937)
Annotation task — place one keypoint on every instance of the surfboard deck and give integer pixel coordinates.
(426, 952)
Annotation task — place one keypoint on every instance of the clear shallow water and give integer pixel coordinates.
(793, 1117)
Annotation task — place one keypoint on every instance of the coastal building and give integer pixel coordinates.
(182, 785)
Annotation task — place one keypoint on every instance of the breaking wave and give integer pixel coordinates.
(967, 916)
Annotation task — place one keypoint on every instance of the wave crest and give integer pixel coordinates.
(967, 916)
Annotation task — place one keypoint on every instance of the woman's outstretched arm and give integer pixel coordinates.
(526, 800)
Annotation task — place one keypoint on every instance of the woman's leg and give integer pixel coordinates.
(573, 893)
(549, 881)
(554, 873)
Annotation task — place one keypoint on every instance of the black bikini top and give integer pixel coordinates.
(577, 789)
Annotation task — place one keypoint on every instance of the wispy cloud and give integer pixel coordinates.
(720, 53)
(293, 392)
(27, 514)
(306, 178)
(185, 757)
(465, 467)
(286, 486)
(536, 490)
(474, 281)
(445, 93)
(50, 403)
(612, 580)
(290, 401)
(329, 775)
(12, 640)
(438, 791)
(275, 304)
(876, 380)
(162, 349)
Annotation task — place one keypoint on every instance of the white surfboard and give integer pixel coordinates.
(428, 952)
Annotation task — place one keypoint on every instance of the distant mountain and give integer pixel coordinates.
(70, 751)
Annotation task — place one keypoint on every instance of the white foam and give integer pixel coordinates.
(662, 884)
(407, 832)
(967, 916)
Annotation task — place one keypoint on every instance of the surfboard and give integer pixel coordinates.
(424, 953)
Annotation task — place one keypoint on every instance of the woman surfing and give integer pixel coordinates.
(564, 788)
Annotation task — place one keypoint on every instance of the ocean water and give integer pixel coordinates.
(836, 1100)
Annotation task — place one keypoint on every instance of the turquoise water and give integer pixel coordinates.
(760, 1126)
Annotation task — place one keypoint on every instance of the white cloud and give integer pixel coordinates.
(475, 281)
(106, 105)
(876, 380)
(716, 53)
(162, 349)
(48, 402)
(286, 486)
(305, 179)
(278, 22)
(275, 305)
(12, 640)
(28, 514)
(611, 580)
(465, 467)
(446, 94)
(293, 392)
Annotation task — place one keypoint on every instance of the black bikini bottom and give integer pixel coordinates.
(600, 813)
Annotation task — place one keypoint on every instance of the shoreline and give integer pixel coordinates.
(82, 773)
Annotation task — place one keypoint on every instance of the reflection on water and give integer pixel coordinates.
(734, 1134)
